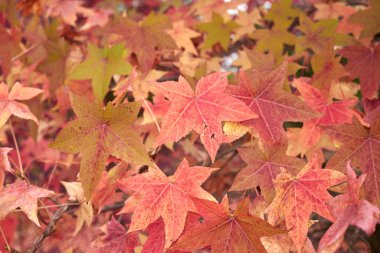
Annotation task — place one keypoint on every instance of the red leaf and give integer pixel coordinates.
(168, 197)
(264, 95)
(349, 209)
(363, 62)
(202, 110)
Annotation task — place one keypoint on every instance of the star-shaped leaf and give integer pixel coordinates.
(226, 232)
(99, 132)
(361, 145)
(264, 95)
(297, 197)
(363, 62)
(9, 105)
(202, 110)
(349, 209)
(170, 198)
(368, 19)
(263, 167)
(115, 239)
(24, 196)
(145, 37)
(218, 31)
(100, 65)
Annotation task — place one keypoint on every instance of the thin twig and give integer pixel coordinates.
(154, 116)
(49, 229)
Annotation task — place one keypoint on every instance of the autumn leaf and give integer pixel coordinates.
(363, 62)
(317, 35)
(202, 110)
(100, 65)
(265, 41)
(23, 196)
(326, 68)
(361, 145)
(5, 166)
(218, 31)
(368, 19)
(145, 37)
(170, 198)
(262, 168)
(264, 95)
(350, 209)
(115, 239)
(101, 132)
(183, 35)
(282, 12)
(9, 105)
(226, 232)
(297, 197)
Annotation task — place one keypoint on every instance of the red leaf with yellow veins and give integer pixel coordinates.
(226, 232)
(99, 132)
(9, 105)
(265, 97)
(262, 169)
(297, 197)
(170, 198)
(363, 62)
(24, 196)
(202, 110)
(115, 239)
(361, 145)
(350, 209)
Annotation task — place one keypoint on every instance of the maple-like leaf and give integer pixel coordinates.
(264, 95)
(100, 65)
(317, 35)
(218, 31)
(99, 132)
(170, 198)
(326, 69)
(5, 166)
(282, 12)
(115, 239)
(265, 41)
(183, 35)
(332, 112)
(297, 197)
(263, 167)
(202, 110)
(363, 62)
(349, 209)
(145, 37)
(368, 19)
(66, 9)
(9, 105)
(226, 232)
(23, 196)
(362, 146)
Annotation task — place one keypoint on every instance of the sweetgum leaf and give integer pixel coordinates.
(361, 145)
(226, 232)
(170, 198)
(24, 196)
(202, 110)
(349, 209)
(297, 197)
(100, 65)
(99, 132)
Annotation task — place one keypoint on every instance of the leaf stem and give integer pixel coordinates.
(17, 149)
